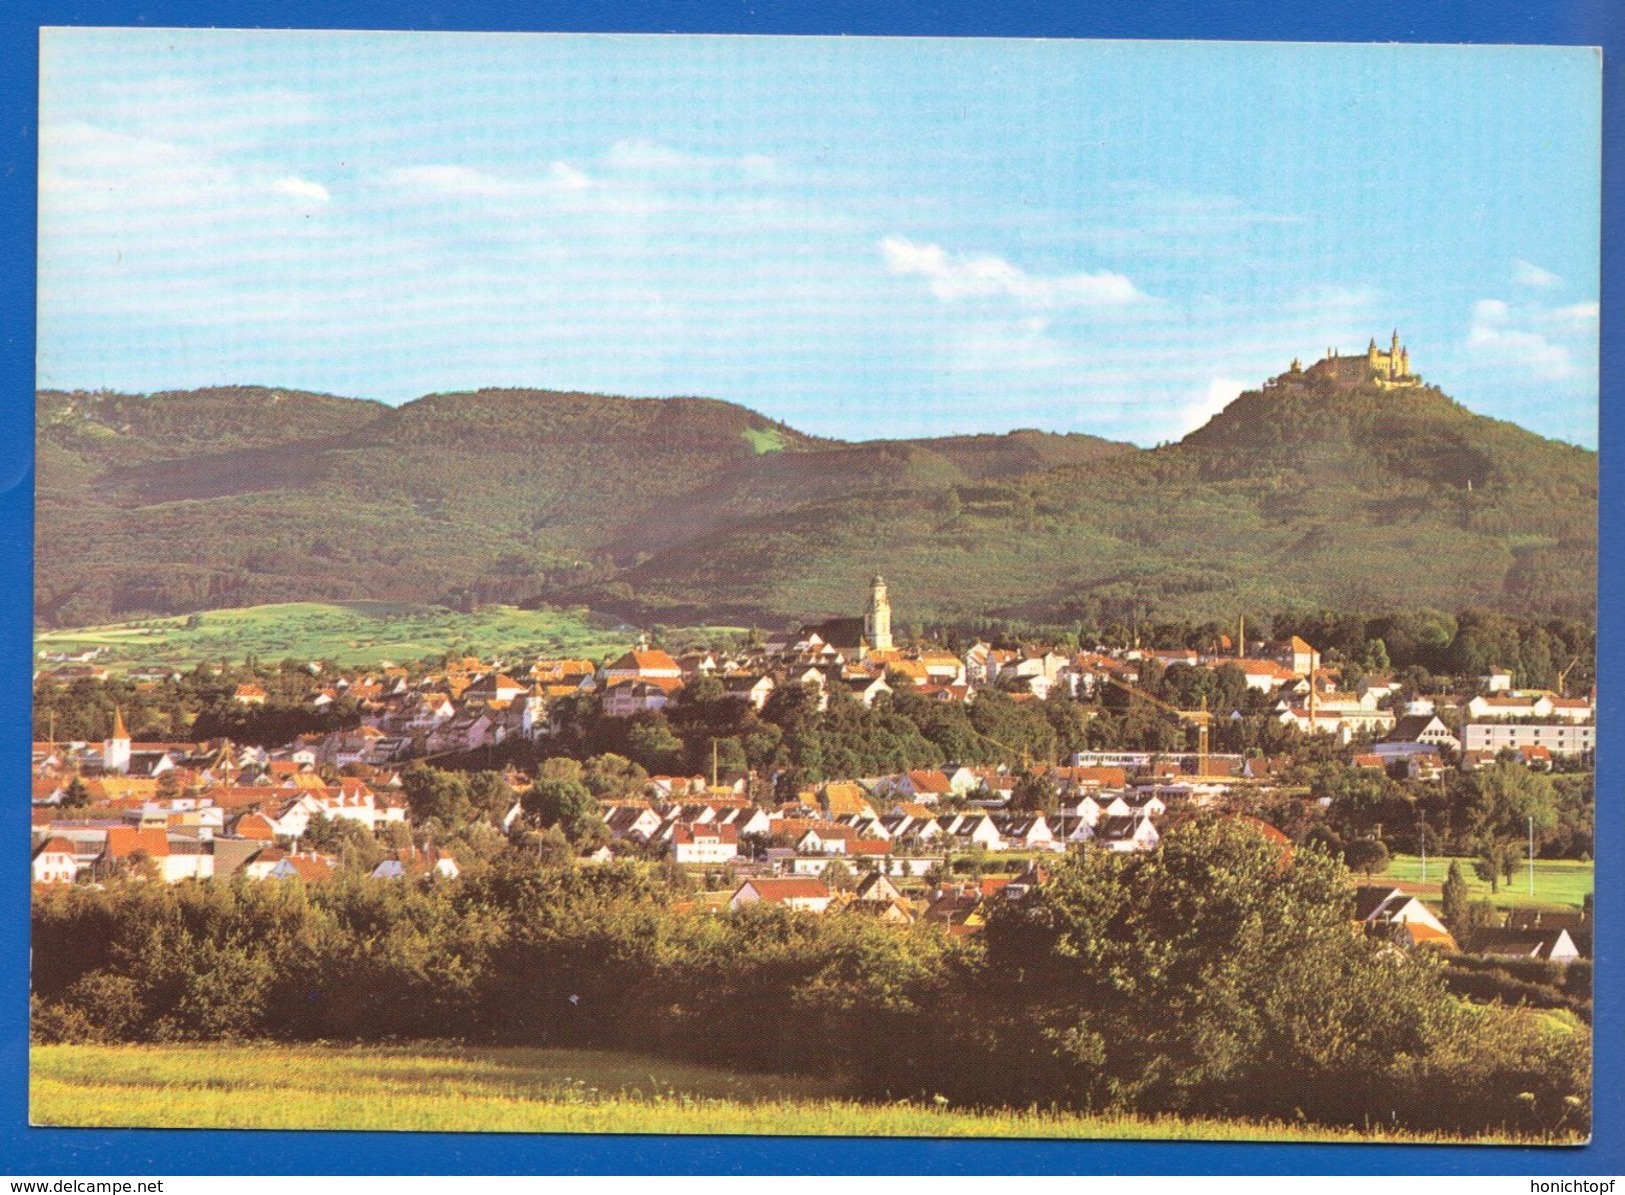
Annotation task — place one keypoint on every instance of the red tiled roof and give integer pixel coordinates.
(310, 868)
(774, 890)
(257, 826)
(124, 841)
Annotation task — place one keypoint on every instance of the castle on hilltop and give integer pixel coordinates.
(1389, 370)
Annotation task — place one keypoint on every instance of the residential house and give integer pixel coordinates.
(412, 863)
(922, 786)
(704, 843)
(970, 830)
(55, 862)
(130, 846)
(844, 798)
(1125, 834)
(643, 663)
(1382, 911)
(801, 894)
(1576, 922)
(751, 689)
(493, 689)
(1417, 734)
(1554, 945)
(1294, 654)
(878, 887)
(864, 686)
(632, 821)
(624, 699)
(308, 867)
(1025, 832)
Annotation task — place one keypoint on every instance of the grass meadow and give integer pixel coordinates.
(459, 1089)
(1559, 883)
(360, 634)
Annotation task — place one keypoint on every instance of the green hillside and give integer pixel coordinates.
(363, 634)
(1302, 495)
(1310, 492)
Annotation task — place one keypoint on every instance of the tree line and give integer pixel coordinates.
(1217, 976)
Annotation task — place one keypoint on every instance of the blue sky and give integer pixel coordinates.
(861, 237)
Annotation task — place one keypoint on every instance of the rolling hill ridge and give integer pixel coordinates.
(1306, 492)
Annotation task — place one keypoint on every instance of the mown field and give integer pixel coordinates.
(458, 1089)
(357, 633)
(1559, 883)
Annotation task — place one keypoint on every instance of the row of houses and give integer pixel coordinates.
(70, 849)
(1392, 914)
(960, 907)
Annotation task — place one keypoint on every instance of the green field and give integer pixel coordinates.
(1559, 883)
(363, 634)
(455, 1089)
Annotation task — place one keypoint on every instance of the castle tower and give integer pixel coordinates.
(1371, 353)
(1394, 370)
(877, 621)
(116, 750)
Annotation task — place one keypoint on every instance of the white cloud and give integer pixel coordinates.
(1209, 401)
(639, 155)
(955, 276)
(467, 182)
(1577, 315)
(1506, 337)
(300, 188)
(643, 154)
(1526, 273)
(566, 177)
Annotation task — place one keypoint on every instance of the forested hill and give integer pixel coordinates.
(1302, 494)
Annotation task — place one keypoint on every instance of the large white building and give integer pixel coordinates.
(1560, 738)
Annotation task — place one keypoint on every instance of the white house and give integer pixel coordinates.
(801, 894)
(1415, 732)
(55, 862)
(971, 829)
(1126, 834)
(704, 843)
(1025, 832)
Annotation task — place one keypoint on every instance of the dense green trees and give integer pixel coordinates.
(1219, 974)
(567, 804)
(1216, 975)
(1463, 814)
(1368, 856)
(462, 512)
(1453, 899)
(432, 793)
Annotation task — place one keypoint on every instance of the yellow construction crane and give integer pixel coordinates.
(1563, 677)
(1025, 753)
(1201, 719)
